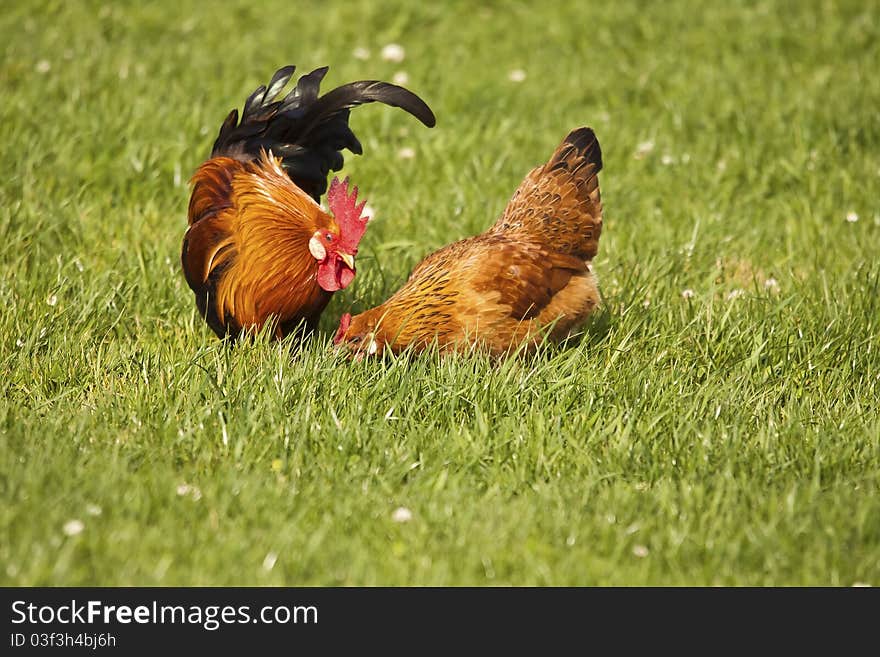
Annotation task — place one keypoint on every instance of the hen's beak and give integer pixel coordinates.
(348, 259)
(370, 350)
(368, 346)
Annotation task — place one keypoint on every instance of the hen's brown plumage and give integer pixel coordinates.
(250, 253)
(525, 279)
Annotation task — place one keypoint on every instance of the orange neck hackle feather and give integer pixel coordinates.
(260, 224)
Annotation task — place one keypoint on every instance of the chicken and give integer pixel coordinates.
(259, 249)
(526, 279)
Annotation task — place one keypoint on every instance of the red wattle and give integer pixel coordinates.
(333, 274)
(327, 278)
(346, 276)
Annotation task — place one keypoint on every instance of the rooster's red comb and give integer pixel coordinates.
(347, 212)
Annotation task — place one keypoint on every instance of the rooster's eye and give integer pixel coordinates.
(329, 237)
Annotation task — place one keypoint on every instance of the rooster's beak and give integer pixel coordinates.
(348, 259)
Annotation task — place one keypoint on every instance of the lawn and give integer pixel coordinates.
(719, 422)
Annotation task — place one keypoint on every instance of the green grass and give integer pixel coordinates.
(729, 437)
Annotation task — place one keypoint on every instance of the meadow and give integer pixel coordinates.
(717, 423)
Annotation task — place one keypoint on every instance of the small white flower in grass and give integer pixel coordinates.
(369, 212)
(73, 527)
(401, 514)
(771, 284)
(78, 265)
(640, 551)
(852, 217)
(393, 52)
(43, 66)
(361, 53)
(93, 509)
(269, 561)
(646, 303)
(406, 153)
(687, 293)
(516, 75)
(401, 77)
(643, 148)
(721, 166)
(52, 299)
(667, 159)
(188, 489)
(19, 343)
(734, 294)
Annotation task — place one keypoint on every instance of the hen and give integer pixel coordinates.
(526, 279)
(259, 248)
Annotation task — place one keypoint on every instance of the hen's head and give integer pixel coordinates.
(358, 335)
(335, 252)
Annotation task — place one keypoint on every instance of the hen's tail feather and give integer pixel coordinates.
(307, 131)
(559, 203)
(578, 150)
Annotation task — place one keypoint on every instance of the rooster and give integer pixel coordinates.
(526, 279)
(259, 248)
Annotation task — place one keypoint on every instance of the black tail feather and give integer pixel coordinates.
(582, 143)
(307, 131)
(353, 94)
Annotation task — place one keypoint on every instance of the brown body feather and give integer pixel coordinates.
(245, 254)
(527, 278)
